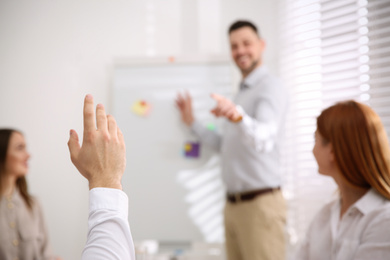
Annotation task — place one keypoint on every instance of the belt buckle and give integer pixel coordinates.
(237, 196)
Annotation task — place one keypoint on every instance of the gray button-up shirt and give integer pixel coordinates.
(250, 149)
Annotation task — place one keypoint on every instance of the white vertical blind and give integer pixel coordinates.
(378, 59)
(331, 50)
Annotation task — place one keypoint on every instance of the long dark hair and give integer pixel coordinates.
(21, 182)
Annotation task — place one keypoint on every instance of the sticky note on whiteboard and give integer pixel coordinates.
(141, 108)
(211, 126)
(192, 149)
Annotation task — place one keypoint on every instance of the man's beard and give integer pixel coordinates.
(251, 68)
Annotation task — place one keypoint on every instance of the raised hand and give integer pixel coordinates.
(184, 103)
(102, 157)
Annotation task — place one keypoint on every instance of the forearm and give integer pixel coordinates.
(109, 234)
(260, 134)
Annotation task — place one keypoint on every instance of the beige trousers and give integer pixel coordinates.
(255, 229)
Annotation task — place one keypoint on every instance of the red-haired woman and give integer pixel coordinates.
(23, 233)
(351, 146)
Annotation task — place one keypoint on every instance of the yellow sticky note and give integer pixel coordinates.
(188, 147)
(141, 108)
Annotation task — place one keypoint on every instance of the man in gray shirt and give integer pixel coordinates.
(255, 211)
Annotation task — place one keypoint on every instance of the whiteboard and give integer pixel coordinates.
(162, 184)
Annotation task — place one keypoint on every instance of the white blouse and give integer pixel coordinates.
(362, 233)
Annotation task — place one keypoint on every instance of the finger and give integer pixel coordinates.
(180, 105)
(216, 97)
(215, 112)
(112, 126)
(179, 102)
(220, 102)
(179, 99)
(188, 105)
(184, 102)
(179, 96)
(122, 143)
(188, 100)
(224, 109)
(218, 107)
(120, 136)
(230, 114)
(73, 144)
(89, 114)
(101, 118)
(188, 96)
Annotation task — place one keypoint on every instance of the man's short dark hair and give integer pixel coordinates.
(243, 23)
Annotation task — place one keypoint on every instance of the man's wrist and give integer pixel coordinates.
(105, 184)
(239, 115)
(190, 121)
(236, 119)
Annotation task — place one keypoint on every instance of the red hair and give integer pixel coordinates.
(360, 144)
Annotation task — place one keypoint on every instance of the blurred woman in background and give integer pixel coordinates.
(23, 234)
(351, 146)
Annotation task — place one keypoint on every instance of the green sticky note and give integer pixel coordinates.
(211, 126)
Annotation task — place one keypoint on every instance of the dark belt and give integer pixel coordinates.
(237, 197)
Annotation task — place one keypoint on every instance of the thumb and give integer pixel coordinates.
(73, 144)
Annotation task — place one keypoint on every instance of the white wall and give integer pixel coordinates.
(52, 53)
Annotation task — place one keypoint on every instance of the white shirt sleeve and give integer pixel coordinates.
(303, 251)
(262, 134)
(375, 241)
(109, 235)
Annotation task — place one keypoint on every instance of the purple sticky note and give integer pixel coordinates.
(192, 149)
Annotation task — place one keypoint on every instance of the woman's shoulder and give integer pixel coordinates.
(375, 207)
(33, 207)
(322, 218)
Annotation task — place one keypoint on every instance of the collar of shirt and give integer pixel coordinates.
(15, 197)
(253, 77)
(369, 202)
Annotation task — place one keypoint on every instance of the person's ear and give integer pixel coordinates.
(331, 153)
(262, 44)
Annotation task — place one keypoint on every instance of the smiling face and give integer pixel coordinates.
(16, 163)
(246, 49)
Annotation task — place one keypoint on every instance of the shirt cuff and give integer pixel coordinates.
(108, 199)
(246, 120)
(197, 128)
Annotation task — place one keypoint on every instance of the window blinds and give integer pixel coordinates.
(378, 59)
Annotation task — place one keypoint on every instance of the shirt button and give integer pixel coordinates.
(10, 205)
(12, 224)
(15, 242)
